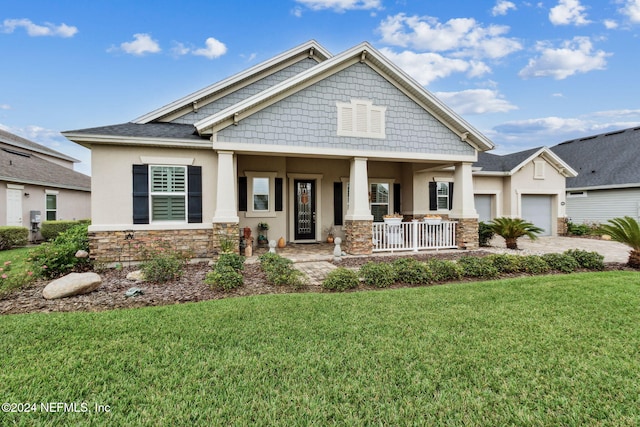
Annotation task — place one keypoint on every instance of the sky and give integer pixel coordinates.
(524, 73)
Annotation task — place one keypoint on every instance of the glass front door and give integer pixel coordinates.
(305, 209)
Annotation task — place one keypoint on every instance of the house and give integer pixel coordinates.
(529, 184)
(34, 180)
(608, 184)
(304, 141)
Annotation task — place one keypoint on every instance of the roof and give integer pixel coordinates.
(509, 164)
(607, 160)
(148, 130)
(19, 142)
(20, 166)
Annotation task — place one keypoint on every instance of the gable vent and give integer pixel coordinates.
(360, 118)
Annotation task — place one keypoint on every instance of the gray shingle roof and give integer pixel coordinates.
(606, 159)
(17, 141)
(22, 167)
(147, 130)
(496, 163)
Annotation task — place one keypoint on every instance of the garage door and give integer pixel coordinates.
(537, 210)
(483, 207)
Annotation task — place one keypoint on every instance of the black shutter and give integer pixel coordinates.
(337, 203)
(433, 196)
(194, 197)
(397, 199)
(279, 186)
(140, 194)
(242, 193)
(450, 195)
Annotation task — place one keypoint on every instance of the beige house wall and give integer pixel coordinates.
(494, 186)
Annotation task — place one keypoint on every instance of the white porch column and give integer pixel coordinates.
(226, 207)
(463, 203)
(359, 209)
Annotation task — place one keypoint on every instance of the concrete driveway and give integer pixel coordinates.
(612, 251)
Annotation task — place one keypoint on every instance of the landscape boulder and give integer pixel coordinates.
(72, 284)
(137, 276)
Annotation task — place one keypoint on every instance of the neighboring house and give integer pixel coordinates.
(38, 180)
(303, 141)
(528, 184)
(608, 184)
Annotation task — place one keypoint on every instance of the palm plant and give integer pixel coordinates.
(625, 230)
(512, 229)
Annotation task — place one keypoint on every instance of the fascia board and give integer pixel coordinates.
(189, 99)
(553, 159)
(44, 183)
(605, 187)
(90, 139)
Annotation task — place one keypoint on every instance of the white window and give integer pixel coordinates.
(261, 194)
(442, 195)
(379, 200)
(168, 185)
(573, 194)
(51, 206)
(538, 169)
(361, 118)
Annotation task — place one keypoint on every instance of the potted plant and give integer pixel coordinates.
(394, 218)
(432, 219)
(330, 234)
(262, 233)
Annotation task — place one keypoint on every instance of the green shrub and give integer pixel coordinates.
(477, 267)
(485, 234)
(533, 264)
(52, 229)
(224, 277)
(378, 274)
(341, 279)
(506, 263)
(578, 229)
(586, 259)
(10, 280)
(411, 271)
(232, 260)
(11, 237)
(280, 271)
(58, 257)
(161, 263)
(561, 262)
(444, 270)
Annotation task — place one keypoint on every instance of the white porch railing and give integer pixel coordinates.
(414, 235)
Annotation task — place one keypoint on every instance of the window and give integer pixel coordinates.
(51, 207)
(260, 194)
(168, 193)
(263, 194)
(443, 195)
(572, 194)
(361, 118)
(379, 199)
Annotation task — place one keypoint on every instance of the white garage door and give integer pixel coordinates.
(537, 210)
(483, 207)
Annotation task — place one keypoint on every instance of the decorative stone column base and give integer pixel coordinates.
(222, 231)
(357, 237)
(467, 233)
(563, 228)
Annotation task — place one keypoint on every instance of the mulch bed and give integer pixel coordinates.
(189, 288)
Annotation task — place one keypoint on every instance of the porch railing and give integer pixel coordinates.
(414, 235)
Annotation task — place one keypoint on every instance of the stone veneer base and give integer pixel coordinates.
(358, 235)
(225, 230)
(467, 233)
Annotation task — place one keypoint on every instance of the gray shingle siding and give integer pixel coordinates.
(246, 92)
(309, 118)
(602, 205)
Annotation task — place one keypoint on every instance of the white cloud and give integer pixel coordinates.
(463, 37)
(427, 67)
(297, 12)
(5, 107)
(573, 56)
(632, 10)
(341, 5)
(610, 24)
(214, 49)
(34, 30)
(179, 49)
(568, 12)
(142, 44)
(476, 101)
(502, 7)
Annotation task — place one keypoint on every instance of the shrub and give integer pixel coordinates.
(506, 263)
(444, 270)
(411, 271)
(485, 234)
(511, 229)
(478, 267)
(11, 236)
(586, 259)
(341, 279)
(577, 229)
(52, 229)
(378, 274)
(232, 260)
(533, 264)
(58, 257)
(224, 277)
(280, 271)
(561, 262)
(162, 263)
(12, 280)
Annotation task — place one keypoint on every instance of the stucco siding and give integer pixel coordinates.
(308, 118)
(601, 205)
(246, 92)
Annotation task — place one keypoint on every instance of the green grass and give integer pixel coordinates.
(547, 350)
(18, 258)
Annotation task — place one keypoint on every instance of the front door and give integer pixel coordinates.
(305, 209)
(14, 207)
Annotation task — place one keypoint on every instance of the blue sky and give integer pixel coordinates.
(525, 73)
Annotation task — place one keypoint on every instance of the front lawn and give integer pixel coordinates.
(13, 267)
(546, 350)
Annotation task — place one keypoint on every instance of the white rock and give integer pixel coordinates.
(137, 275)
(82, 254)
(72, 284)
